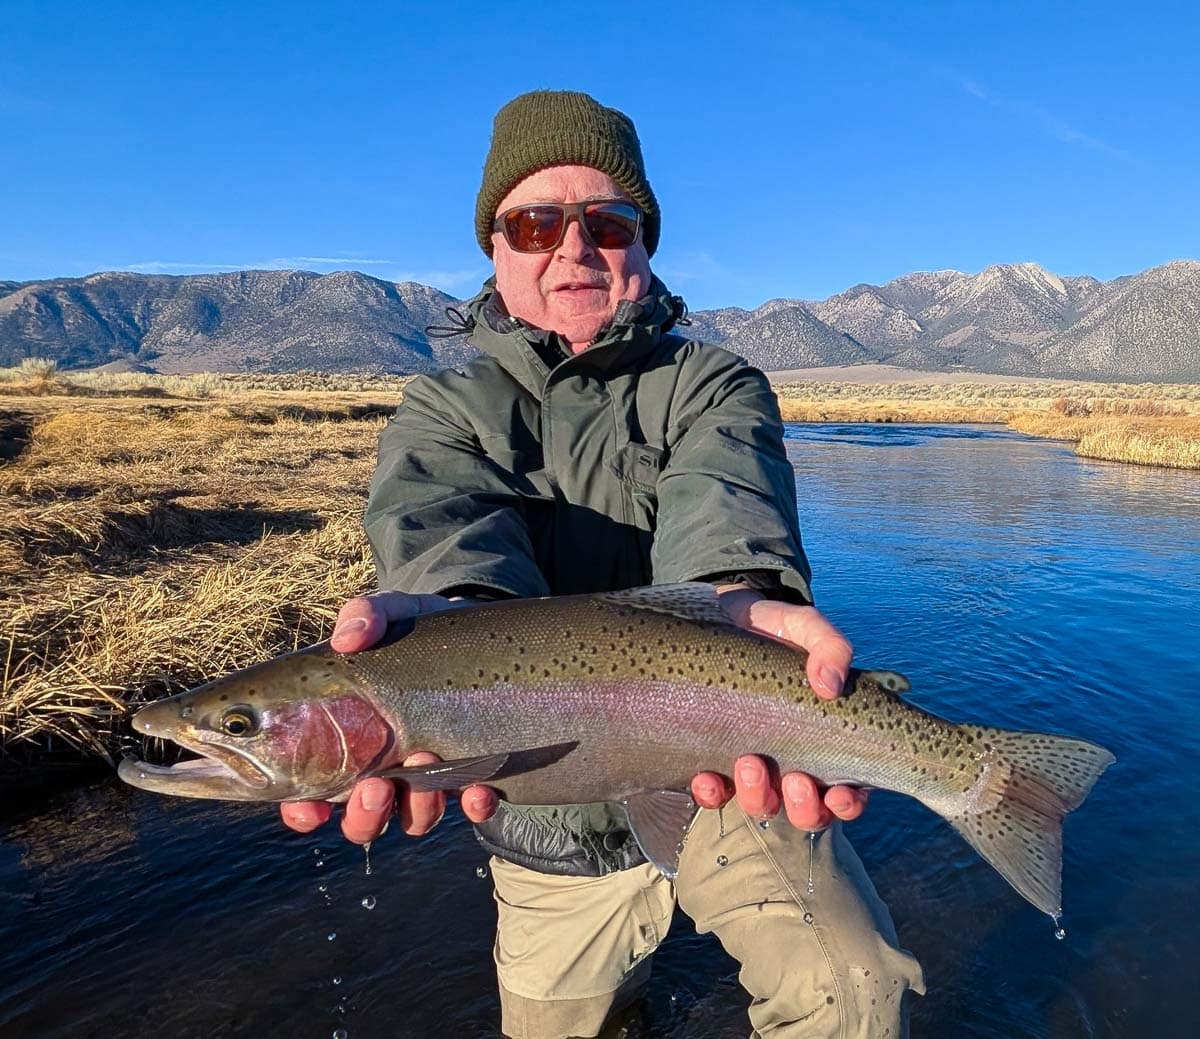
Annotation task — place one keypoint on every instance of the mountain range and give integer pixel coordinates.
(1017, 319)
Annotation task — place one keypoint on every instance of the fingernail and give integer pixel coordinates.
(350, 626)
(708, 791)
(480, 802)
(750, 775)
(830, 679)
(838, 804)
(375, 796)
(797, 793)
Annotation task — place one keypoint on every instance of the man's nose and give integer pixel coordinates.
(575, 245)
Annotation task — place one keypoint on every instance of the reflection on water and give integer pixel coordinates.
(1012, 582)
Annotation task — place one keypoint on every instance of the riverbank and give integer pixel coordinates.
(1145, 423)
(146, 546)
(155, 533)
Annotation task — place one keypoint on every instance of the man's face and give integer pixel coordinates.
(574, 289)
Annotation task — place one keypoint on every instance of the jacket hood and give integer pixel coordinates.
(529, 354)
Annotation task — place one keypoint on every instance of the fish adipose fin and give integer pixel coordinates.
(487, 768)
(659, 821)
(892, 681)
(1015, 811)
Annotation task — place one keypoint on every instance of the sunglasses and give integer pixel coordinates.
(540, 227)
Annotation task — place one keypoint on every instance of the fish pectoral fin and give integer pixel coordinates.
(448, 775)
(453, 775)
(659, 821)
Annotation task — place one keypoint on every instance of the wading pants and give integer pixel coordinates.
(571, 952)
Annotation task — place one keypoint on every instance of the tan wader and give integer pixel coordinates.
(573, 951)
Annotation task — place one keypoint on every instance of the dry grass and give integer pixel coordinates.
(39, 376)
(1170, 440)
(1147, 424)
(149, 544)
(145, 548)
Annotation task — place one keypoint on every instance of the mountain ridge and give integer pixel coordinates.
(1011, 319)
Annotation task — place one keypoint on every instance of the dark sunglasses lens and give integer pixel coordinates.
(534, 229)
(612, 226)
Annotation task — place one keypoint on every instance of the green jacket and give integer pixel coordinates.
(648, 458)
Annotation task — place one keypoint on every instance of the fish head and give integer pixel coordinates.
(294, 728)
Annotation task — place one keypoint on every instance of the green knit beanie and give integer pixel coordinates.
(562, 128)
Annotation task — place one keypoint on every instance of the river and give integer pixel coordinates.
(1012, 582)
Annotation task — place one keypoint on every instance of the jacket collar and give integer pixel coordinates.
(530, 354)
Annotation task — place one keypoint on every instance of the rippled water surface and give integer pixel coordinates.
(1012, 582)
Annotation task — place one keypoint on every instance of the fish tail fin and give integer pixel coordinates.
(1013, 816)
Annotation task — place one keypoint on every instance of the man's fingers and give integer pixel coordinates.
(360, 623)
(421, 812)
(829, 651)
(479, 803)
(846, 802)
(305, 816)
(368, 809)
(710, 790)
(803, 804)
(752, 782)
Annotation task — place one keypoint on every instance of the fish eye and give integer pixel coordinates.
(239, 721)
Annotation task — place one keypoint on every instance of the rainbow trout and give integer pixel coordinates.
(622, 697)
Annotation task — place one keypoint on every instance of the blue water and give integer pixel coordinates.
(1012, 582)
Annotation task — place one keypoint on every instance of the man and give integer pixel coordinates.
(588, 449)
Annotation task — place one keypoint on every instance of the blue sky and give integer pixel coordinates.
(796, 149)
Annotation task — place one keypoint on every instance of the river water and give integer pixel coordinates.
(1012, 582)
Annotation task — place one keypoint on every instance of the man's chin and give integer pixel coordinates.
(580, 328)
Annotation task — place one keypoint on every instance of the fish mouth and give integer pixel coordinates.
(220, 773)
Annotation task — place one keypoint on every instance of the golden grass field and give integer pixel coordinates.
(159, 531)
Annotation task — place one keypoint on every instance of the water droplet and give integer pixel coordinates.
(367, 853)
(141, 775)
(808, 918)
(1060, 933)
(337, 980)
(764, 824)
(722, 861)
(812, 839)
(331, 936)
(368, 902)
(317, 852)
(322, 888)
(340, 1033)
(320, 863)
(481, 872)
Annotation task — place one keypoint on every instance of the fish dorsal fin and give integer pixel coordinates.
(691, 600)
(659, 821)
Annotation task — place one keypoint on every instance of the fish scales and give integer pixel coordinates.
(594, 665)
(619, 696)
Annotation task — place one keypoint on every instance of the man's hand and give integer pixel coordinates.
(360, 624)
(759, 794)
